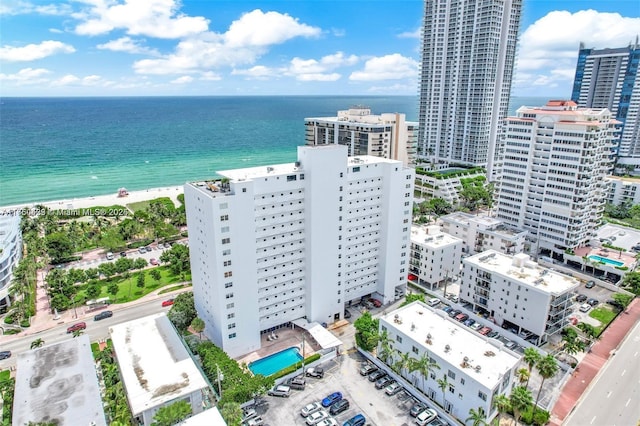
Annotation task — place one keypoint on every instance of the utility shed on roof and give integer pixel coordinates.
(156, 368)
(58, 384)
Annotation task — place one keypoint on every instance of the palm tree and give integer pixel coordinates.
(502, 404)
(477, 417)
(78, 333)
(443, 384)
(523, 375)
(37, 343)
(547, 367)
(405, 360)
(424, 365)
(520, 399)
(385, 346)
(531, 357)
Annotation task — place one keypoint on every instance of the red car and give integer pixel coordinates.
(168, 302)
(154, 262)
(412, 277)
(375, 302)
(485, 330)
(76, 327)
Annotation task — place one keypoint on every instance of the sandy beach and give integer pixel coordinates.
(101, 200)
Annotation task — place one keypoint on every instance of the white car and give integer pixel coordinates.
(327, 422)
(310, 409)
(393, 388)
(317, 417)
(476, 326)
(426, 416)
(585, 307)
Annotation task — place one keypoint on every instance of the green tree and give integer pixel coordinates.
(547, 368)
(477, 417)
(531, 357)
(91, 273)
(140, 280)
(424, 365)
(108, 269)
(37, 343)
(93, 290)
(623, 299)
(502, 404)
(232, 414)
(155, 274)
(438, 206)
(123, 264)
(572, 342)
(113, 290)
(366, 331)
(177, 257)
(410, 298)
(632, 282)
(443, 384)
(523, 375)
(112, 240)
(78, 333)
(386, 352)
(140, 263)
(197, 324)
(520, 399)
(59, 247)
(182, 311)
(171, 414)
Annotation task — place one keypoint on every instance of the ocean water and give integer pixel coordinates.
(61, 148)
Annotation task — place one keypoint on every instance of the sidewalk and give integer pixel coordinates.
(593, 362)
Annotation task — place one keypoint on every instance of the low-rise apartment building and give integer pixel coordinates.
(476, 368)
(480, 233)
(517, 293)
(435, 256)
(623, 190)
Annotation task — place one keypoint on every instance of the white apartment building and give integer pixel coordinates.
(156, 368)
(435, 256)
(476, 368)
(552, 175)
(387, 135)
(270, 245)
(623, 190)
(479, 233)
(444, 184)
(517, 293)
(10, 254)
(468, 51)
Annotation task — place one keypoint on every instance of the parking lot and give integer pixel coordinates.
(341, 375)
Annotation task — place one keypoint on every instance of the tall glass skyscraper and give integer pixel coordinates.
(468, 51)
(608, 78)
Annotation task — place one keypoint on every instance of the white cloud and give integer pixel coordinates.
(410, 34)
(154, 18)
(31, 52)
(338, 32)
(389, 67)
(246, 40)
(318, 77)
(257, 28)
(258, 72)
(548, 48)
(185, 79)
(210, 76)
(319, 70)
(67, 80)
(27, 76)
(127, 44)
(19, 7)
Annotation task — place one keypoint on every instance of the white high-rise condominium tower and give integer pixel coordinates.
(468, 51)
(551, 177)
(270, 245)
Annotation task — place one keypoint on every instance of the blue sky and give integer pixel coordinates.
(288, 47)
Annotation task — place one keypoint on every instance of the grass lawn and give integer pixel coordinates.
(128, 290)
(603, 314)
(5, 375)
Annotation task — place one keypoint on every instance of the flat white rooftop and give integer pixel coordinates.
(521, 269)
(487, 360)
(58, 383)
(210, 417)
(432, 237)
(155, 365)
(250, 173)
(467, 219)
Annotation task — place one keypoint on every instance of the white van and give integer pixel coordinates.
(109, 256)
(433, 302)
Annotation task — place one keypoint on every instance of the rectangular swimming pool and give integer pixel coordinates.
(275, 362)
(606, 260)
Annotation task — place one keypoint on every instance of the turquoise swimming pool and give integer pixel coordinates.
(606, 260)
(275, 362)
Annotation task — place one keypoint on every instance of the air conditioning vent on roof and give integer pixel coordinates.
(478, 368)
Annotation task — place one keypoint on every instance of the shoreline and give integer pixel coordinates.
(99, 200)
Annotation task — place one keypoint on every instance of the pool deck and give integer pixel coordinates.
(287, 338)
(615, 255)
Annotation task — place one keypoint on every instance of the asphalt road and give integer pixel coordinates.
(612, 398)
(96, 330)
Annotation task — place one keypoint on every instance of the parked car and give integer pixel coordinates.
(123, 254)
(347, 314)
(357, 420)
(585, 307)
(339, 406)
(298, 383)
(580, 298)
(417, 408)
(5, 354)
(282, 391)
(310, 409)
(485, 331)
(154, 262)
(511, 345)
(375, 375)
(142, 250)
(593, 302)
(493, 335)
(461, 317)
(256, 421)
(476, 326)
(331, 399)
(375, 302)
(249, 414)
(317, 372)
(317, 417)
(103, 315)
(454, 313)
(167, 302)
(447, 308)
(76, 327)
(110, 256)
(590, 284)
(327, 422)
(433, 302)
(469, 322)
(383, 382)
(367, 369)
(393, 388)
(426, 416)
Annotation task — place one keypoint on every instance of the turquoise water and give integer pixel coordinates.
(275, 362)
(606, 260)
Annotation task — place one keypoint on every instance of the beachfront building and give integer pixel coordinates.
(477, 369)
(480, 232)
(517, 293)
(468, 51)
(387, 135)
(623, 190)
(609, 78)
(10, 255)
(271, 245)
(435, 256)
(58, 384)
(156, 368)
(446, 183)
(551, 180)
